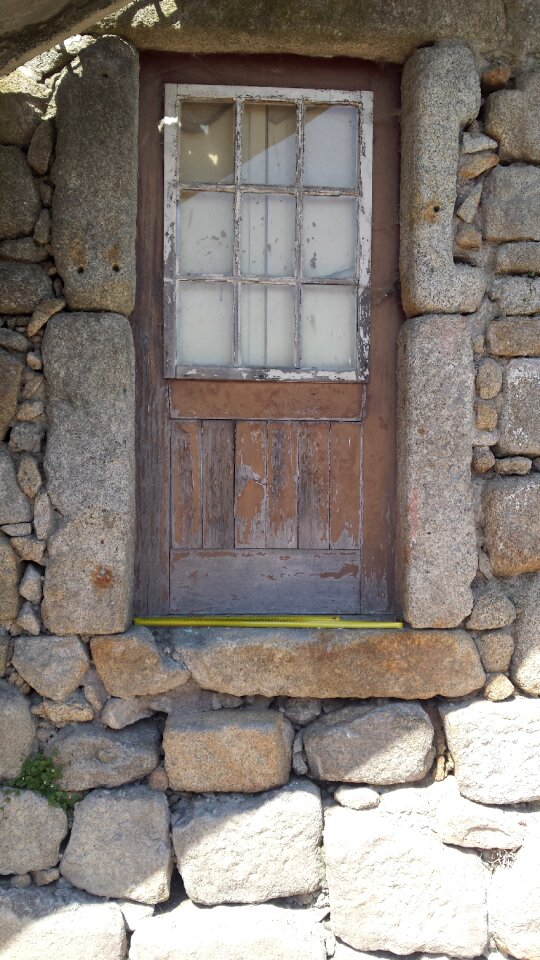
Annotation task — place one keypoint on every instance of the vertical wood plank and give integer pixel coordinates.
(345, 472)
(186, 519)
(313, 485)
(250, 484)
(282, 523)
(218, 484)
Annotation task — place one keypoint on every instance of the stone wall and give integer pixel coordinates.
(291, 793)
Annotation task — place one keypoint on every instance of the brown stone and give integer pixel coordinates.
(133, 665)
(498, 687)
(495, 649)
(409, 664)
(10, 380)
(486, 415)
(496, 77)
(512, 524)
(240, 751)
(489, 378)
(43, 312)
(513, 465)
(471, 165)
(521, 257)
(482, 460)
(28, 475)
(518, 337)
(468, 237)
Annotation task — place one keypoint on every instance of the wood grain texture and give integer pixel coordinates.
(313, 485)
(345, 486)
(193, 399)
(265, 581)
(250, 485)
(186, 482)
(282, 523)
(218, 484)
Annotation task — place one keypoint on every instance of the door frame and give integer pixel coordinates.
(153, 395)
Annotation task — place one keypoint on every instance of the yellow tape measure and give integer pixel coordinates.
(260, 620)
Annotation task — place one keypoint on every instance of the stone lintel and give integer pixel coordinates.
(409, 664)
(436, 541)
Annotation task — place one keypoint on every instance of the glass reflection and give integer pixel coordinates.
(269, 143)
(206, 138)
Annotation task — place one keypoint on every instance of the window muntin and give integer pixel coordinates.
(267, 233)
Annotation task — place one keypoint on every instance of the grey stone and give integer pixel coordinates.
(357, 798)
(43, 312)
(54, 666)
(43, 516)
(517, 295)
(511, 203)
(513, 465)
(19, 196)
(29, 548)
(512, 117)
(22, 103)
(430, 280)
(54, 60)
(41, 147)
(525, 665)
(22, 286)
(16, 529)
(133, 664)
(480, 734)
(23, 248)
(31, 831)
(496, 650)
(385, 878)
(234, 849)
(436, 539)
(518, 258)
(407, 664)
(189, 932)
(518, 337)
(118, 713)
(135, 913)
(42, 878)
(10, 381)
(468, 206)
(245, 751)
(10, 573)
(498, 687)
(520, 417)
(13, 340)
(492, 609)
(60, 925)
(31, 586)
(17, 731)
(5, 653)
(89, 464)
(42, 228)
(489, 379)
(377, 744)
(299, 710)
(477, 143)
(512, 524)
(132, 822)
(14, 506)
(28, 475)
(26, 437)
(514, 899)
(93, 757)
(28, 619)
(94, 222)
(75, 709)
(30, 410)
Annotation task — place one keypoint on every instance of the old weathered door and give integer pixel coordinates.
(269, 466)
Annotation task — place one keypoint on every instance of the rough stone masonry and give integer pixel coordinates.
(319, 794)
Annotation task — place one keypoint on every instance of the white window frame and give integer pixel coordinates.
(362, 192)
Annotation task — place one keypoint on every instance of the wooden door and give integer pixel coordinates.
(263, 497)
(265, 510)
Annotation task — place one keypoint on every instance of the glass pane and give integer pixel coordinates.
(267, 235)
(206, 233)
(269, 143)
(328, 340)
(205, 323)
(266, 325)
(330, 146)
(329, 237)
(206, 136)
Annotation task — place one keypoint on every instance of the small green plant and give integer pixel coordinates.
(41, 774)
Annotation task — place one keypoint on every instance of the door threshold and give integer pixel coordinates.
(314, 622)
